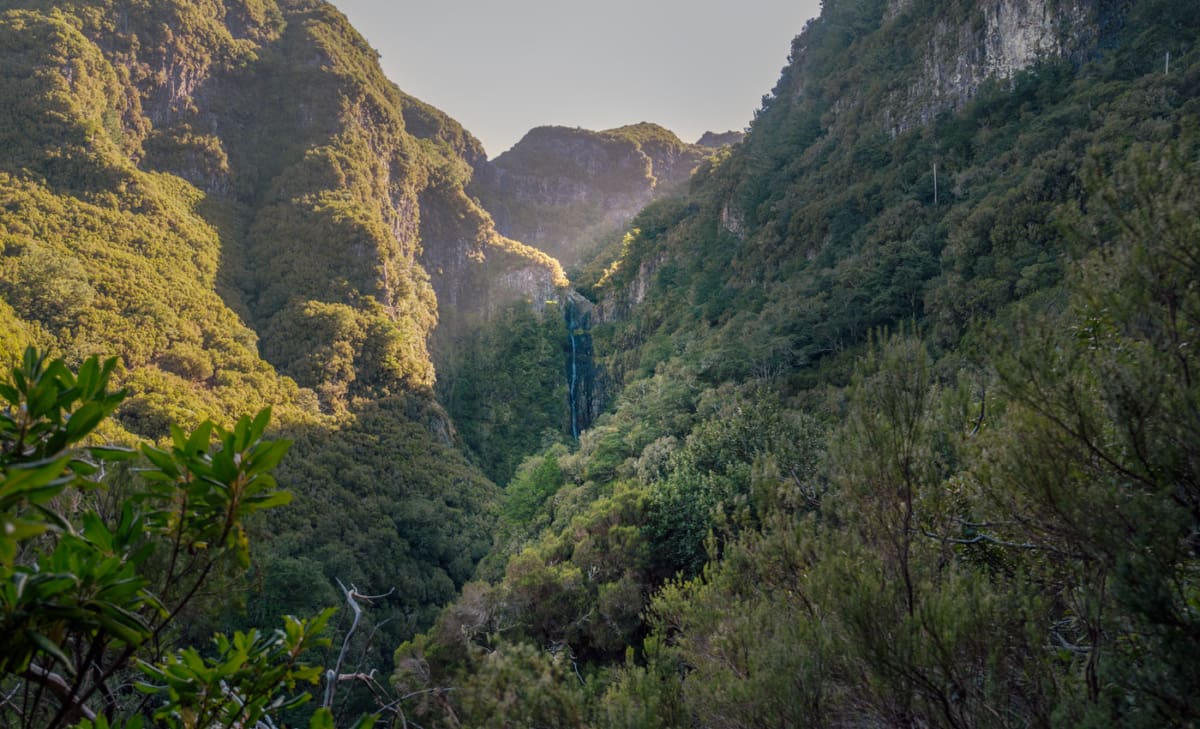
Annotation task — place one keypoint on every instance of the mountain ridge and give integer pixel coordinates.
(564, 190)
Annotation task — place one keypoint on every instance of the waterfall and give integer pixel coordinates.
(579, 370)
(571, 397)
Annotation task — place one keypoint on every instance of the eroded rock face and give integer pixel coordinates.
(995, 40)
(925, 58)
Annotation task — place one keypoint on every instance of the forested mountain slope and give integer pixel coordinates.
(905, 431)
(232, 199)
(904, 401)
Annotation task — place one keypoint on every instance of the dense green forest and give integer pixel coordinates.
(904, 424)
(899, 424)
(232, 200)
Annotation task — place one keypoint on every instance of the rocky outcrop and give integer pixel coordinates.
(475, 270)
(921, 66)
(996, 39)
(716, 140)
(617, 303)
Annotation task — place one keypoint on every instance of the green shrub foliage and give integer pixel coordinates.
(96, 577)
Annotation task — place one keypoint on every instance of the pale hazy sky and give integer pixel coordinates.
(502, 67)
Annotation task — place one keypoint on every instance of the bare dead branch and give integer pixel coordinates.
(58, 686)
(980, 539)
(353, 597)
(982, 410)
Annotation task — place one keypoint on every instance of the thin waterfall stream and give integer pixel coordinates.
(580, 368)
(574, 379)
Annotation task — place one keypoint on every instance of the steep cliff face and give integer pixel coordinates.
(477, 271)
(994, 40)
(560, 189)
(894, 66)
(716, 140)
(323, 182)
(917, 65)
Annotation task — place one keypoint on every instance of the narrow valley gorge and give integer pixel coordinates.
(883, 412)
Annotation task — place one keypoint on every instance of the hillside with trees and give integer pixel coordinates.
(904, 426)
(232, 200)
(892, 411)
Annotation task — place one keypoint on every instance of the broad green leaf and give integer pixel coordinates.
(259, 426)
(161, 460)
(268, 455)
(120, 630)
(321, 719)
(9, 393)
(112, 454)
(82, 468)
(34, 482)
(198, 442)
(47, 585)
(18, 530)
(84, 420)
(365, 722)
(52, 649)
(279, 498)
